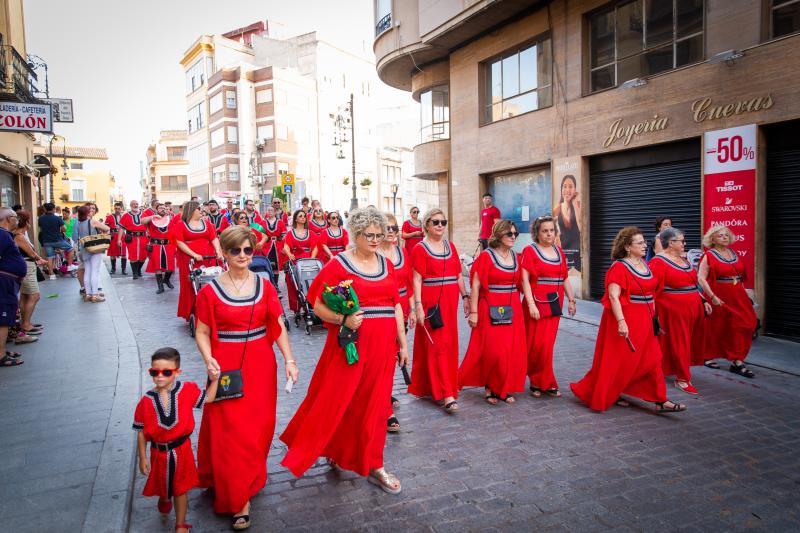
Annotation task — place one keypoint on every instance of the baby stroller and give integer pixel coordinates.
(302, 272)
(262, 267)
(200, 277)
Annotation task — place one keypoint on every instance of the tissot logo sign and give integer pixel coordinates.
(729, 166)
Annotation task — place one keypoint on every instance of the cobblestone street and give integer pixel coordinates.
(730, 463)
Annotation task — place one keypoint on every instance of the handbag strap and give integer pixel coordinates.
(652, 314)
(249, 322)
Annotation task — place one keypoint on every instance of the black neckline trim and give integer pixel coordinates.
(646, 275)
(350, 267)
(728, 261)
(496, 260)
(446, 255)
(673, 264)
(220, 290)
(556, 261)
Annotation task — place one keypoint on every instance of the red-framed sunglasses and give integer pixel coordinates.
(166, 372)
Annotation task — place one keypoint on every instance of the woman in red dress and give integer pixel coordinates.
(162, 249)
(261, 239)
(437, 284)
(495, 356)
(681, 309)
(275, 230)
(317, 224)
(544, 282)
(627, 357)
(344, 412)
(195, 240)
(334, 239)
(299, 243)
(730, 328)
(412, 231)
(238, 319)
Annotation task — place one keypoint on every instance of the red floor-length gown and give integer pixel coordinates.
(615, 369)
(729, 330)
(547, 276)
(301, 247)
(136, 232)
(681, 314)
(403, 275)
(408, 227)
(343, 416)
(162, 256)
(235, 435)
(435, 369)
(114, 248)
(275, 231)
(199, 241)
(335, 239)
(174, 472)
(496, 353)
(316, 228)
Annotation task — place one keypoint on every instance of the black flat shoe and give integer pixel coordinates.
(711, 364)
(742, 371)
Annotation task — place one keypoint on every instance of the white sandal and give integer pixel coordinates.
(385, 481)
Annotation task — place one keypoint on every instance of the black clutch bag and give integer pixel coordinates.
(500, 315)
(406, 377)
(39, 274)
(555, 304)
(434, 316)
(128, 238)
(230, 385)
(346, 336)
(656, 326)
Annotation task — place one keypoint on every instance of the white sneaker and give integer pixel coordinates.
(52, 276)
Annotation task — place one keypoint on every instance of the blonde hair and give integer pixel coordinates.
(708, 238)
(233, 237)
(500, 228)
(429, 215)
(390, 218)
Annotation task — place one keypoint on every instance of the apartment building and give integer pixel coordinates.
(168, 168)
(610, 113)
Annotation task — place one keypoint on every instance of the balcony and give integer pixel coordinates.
(17, 79)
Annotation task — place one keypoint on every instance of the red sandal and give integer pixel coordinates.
(182, 526)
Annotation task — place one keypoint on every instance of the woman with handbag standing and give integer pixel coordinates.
(544, 282)
(86, 226)
(344, 413)
(29, 291)
(627, 357)
(238, 320)
(495, 356)
(681, 309)
(730, 327)
(437, 285)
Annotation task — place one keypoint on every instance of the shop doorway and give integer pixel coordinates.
(521, 197)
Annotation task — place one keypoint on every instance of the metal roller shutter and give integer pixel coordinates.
(636, 197)
(783, 245)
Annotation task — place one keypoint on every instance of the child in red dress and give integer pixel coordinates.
(164, 418)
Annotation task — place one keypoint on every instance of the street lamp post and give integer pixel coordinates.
(340, 123)
(64, 163)
(395, 187)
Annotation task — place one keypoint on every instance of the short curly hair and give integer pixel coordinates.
(360, 219)
(500, 228)
(624, 238)
(536, 225)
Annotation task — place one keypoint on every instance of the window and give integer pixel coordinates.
(217, 137)
(267, 169)
(215, 103)
(785, 17)
(233, 171)
(281, 132)
(77, 190)
(435, 114)
(197, 117)
(233, 135)
(176, 153)
(283, 168)
(196, 75)
(198, 157)
(639, 38)
(519, 81)
(76, 166)
(383, 16)
(218, 174)
(265, 133)
(230, 99)
(264, 96)
(173, 183)
(390, 174)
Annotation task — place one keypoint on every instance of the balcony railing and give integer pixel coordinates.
(384, 24)
(18, 79)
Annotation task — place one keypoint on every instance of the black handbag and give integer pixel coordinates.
(148, 247)
(128, 238)
(434, 316)
(346, 336)
(231, 382)
(501, 315)
(40, 275)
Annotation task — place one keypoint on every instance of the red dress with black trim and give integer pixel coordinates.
(199, 241)
(730, 326)
(162, 256)
(403, 273)
(273, 249)
(316, 228)
(336, 239)
(681, 314)
(235, 435)
(408, 227)
(173, 472)
(495, 356)
(547, 276)
(114, 249)
(344, 413)
(435, 369)
(615, 369)
(301, 248)
(137, 232)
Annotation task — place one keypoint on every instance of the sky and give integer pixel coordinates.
(119, 60)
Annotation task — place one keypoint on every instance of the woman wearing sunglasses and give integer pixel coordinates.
(544, 282)
(437, 286)
(495, 356)
(334, 239)
(344, 413)
(261, 239)
(299, 243)
(238, 320)
(275, 230)
(317, 224)
(412, 231)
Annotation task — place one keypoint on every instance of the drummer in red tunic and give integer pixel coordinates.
(544, 280)
(135, 237)
(495, 356)
(334, 239)
(627, 356)
(164, 418)
(681, 310)
(729, 330)
(299, 243)
(437, 285)
(162, 249)
(115, 248)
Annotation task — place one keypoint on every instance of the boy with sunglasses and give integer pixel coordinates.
(164, 418)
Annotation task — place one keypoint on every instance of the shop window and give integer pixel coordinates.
(784, 17)
(173, 183)
(435, 114)
(518, 82)
(640, 38)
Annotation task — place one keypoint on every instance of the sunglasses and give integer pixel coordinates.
(166, 372)
(438, 222)
(248, 251)
(374, 236)
(334, 218)
(415, 212)
(512, 234)
(393, 229)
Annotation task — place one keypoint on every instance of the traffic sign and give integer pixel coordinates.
(288, 179)
(287, 189)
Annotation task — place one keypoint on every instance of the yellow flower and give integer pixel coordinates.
(346, 283)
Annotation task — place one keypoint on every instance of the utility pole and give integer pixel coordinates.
(354, 199)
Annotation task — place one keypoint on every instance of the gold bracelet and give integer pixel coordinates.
(290, 361)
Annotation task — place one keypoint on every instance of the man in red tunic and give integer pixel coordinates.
(161, 248)
(135, 235)
(229, 207)
(252, 214)
(116, 249)
(150, 211)
(215, 216)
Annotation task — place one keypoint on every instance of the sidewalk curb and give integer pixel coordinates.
(112, 493)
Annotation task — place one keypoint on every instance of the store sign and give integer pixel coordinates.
(619, 131)
(704, 108)
(730, 188)
(24, 117)
(62, 109)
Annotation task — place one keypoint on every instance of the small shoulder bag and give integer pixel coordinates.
(231, 383)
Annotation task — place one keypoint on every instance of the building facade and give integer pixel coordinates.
(609, 114)
(168, 168)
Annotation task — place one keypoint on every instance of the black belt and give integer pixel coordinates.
(162, 242)
(169, 446)
(136, 233)
(114, 230)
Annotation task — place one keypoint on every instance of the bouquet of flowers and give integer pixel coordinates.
(342, 299)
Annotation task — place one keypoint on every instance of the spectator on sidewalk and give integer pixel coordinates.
(92, 263)
(69, 220)
(489, 215)
(29, 292)
(52, 235)
(12, 272)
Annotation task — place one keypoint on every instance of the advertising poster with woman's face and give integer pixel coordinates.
(567, 212)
